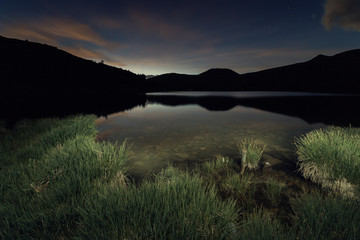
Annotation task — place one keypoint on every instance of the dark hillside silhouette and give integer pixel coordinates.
(42, 69)
(335, 74)
(169, 82)
(41, 79)
(211, 80)
(38, 80)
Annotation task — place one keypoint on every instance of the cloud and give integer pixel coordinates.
(53, 30)
(21, 32)
(83, 52)
(98, 55)
(116, 63)
(69, 35)
(343, 13)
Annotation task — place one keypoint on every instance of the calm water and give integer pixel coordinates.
(169, 129)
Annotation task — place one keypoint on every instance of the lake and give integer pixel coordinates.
(192, 127)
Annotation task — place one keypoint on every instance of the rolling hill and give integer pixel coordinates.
(333, 74)
(38, 80)
(30, 69)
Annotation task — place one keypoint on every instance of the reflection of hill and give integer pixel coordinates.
(337, 110)
(209, 103)
(335, 74)
(16, 110)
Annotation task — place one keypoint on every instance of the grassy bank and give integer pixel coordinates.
(57, 182)
(331, 157)
(48, 167)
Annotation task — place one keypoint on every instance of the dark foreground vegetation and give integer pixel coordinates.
(58, 182)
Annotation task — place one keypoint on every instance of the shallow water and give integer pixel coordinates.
(162, 134)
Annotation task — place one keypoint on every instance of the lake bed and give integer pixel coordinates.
(162, 133)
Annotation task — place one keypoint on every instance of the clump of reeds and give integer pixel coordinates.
(260, 225)
(331, 157)
(173, 206)
(272, 191)
(325, 217)
(250, 153)
(220, 162)
(236, 183)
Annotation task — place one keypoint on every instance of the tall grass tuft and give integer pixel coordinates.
(236, 183)
(174, 206)
(45, 179)
(320, 217)
(272, 191)
(219, 163)
(250, 153)
(260, 225)
(30, 139)
(331, 158)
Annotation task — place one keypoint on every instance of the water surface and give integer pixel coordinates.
(168, 132)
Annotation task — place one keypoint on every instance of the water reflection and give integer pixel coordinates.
(177, 128)
(330, 109)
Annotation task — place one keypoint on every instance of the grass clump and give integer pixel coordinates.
(273, 190)
(325, 217)
(219, 163)
(236, 183)
(260, 225)
(331, 158)
(30, 139)
(173, 206)
(250, 153)
(49, 167)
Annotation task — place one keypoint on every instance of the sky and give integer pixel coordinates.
(156, 37)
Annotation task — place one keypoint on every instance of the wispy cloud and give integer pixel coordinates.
(83, 52)
(75, 37)
(97, 54)
(343, 13)
(52, 30)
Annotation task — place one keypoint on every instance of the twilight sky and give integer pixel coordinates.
(155, 37)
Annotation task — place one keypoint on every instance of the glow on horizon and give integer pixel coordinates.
(157, 38)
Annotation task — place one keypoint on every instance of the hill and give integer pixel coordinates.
(42, 80)
(333, 74)
(36, 69)
(211, 80)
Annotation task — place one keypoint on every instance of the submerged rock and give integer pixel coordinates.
(266, 167)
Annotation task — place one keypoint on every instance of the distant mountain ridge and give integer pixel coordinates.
(31, 69)
(42, 80)
(333, 74)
